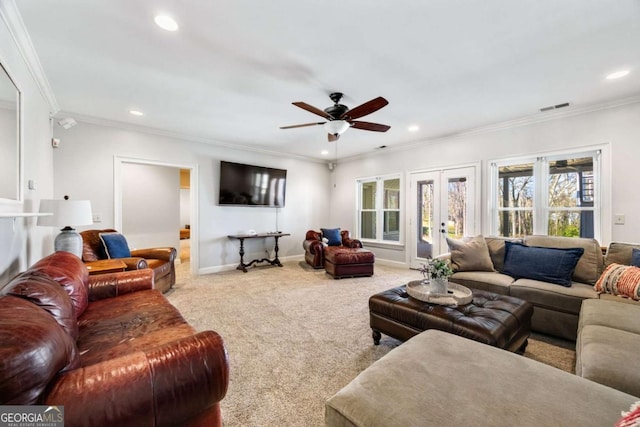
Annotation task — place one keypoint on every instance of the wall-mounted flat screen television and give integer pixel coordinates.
(248, 185)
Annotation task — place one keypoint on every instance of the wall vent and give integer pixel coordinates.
(555, 107)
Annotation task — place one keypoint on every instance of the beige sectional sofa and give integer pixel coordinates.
(440, 379)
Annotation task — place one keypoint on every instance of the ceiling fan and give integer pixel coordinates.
(340, 117)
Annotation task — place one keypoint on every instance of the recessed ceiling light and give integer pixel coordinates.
(617, 74)
(413, 128)
(324, 152)
(136, 113)
(166, 22)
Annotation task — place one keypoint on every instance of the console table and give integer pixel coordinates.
(242, 266)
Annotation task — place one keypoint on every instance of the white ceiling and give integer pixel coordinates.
(231, 71)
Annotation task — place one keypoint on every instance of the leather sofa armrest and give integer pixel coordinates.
(166, 254)
(313, 246)
(135, 263)
(162, 386)
(110, 285)
(351, 243)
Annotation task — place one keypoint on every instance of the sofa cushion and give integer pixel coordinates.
(591, 263)
(332, 235)
(70, 273)
(115, 245)
(484, 280)
(609, 356)
(610, 313)
(621, 280)
(470, 254)
(496, 248)
(34, 350)
(620, 253)
(46, 294)
(635, 257)
(553, 297)
(551, 265)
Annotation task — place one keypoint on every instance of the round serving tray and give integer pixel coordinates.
(456, 294)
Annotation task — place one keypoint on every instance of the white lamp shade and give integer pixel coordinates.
(65, 213)
(336, 127)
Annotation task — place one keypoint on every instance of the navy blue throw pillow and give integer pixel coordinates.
(332, 235)
(115, 245)
(553, 265)
(635, 257)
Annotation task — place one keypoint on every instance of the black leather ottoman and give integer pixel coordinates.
(497, 320)
(340, 261)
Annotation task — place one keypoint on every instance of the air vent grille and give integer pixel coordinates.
(555, 107)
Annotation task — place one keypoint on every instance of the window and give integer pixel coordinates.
(555, 195)
(379, 209)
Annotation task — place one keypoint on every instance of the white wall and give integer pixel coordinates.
(84, 169)
(150, 205)
(616, 127)
(21, 241)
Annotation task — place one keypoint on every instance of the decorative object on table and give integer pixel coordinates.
(436, 272)
(66, 213)
(454, 295)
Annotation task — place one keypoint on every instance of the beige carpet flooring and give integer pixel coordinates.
(295, 336)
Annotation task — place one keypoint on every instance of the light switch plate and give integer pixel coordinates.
(618, 219)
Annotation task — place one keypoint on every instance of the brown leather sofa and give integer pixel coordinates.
(108, 347)
(160, 260)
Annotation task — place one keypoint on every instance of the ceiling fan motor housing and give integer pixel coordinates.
(336, 111)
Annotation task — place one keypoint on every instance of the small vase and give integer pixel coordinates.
(440, 285)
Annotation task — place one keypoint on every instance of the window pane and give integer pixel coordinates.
(571, 183)
(571, 224)
(368, 195)
(392, 194)
(425, 213)
(515, 223)
(515, 186)
(368, 225)
(391, 226)
(457, 189)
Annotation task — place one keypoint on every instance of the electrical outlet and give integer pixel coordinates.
(618, 219)
(97, 217)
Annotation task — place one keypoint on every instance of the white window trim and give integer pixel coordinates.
(602, 180)
(380, 210)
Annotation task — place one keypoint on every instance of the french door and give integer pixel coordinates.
(443, 204)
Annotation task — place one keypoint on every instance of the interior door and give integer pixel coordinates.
(443, 205)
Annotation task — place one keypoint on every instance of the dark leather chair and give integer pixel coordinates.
(160, 260)
(314, 249)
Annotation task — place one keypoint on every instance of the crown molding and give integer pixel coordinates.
(508, 124)
(15, 25)
(184, 137)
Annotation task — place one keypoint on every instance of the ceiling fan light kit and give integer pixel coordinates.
(336, 127)
(340, 118)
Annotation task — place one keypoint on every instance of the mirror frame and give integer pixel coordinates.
(19, 196)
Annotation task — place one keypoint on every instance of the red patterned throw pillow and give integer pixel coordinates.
(631, 418)
(622, 280)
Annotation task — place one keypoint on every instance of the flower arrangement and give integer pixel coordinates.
(436, 269)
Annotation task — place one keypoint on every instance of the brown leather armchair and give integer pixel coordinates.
(160, 260)
(314, 249)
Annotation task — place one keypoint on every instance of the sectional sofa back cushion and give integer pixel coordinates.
(34, 350)
(620, 253)
(590, 265)
(496, 247)
(550, 265)
(470, 254)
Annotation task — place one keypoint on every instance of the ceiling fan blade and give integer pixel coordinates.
(312, 109)
(376, 127)
(366, 108)
(331, 137)
(302, 125)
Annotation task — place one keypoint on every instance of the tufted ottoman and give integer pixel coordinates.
(340, 261)
(497, 320)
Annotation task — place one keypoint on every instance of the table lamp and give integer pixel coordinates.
(66, 213)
